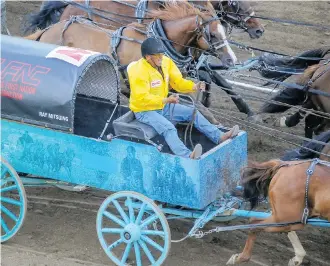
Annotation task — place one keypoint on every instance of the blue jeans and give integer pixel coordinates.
(160, 121)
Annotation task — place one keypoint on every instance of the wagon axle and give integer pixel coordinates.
(132, 232)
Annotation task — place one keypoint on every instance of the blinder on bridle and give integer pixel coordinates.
(203, 30)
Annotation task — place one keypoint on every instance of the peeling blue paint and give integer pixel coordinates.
(123, 165)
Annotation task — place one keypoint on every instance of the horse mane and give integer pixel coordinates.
(174, 10)
(256, 178)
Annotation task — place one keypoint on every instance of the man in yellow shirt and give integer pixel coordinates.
(150, 78)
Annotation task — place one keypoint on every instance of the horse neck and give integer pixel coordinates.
(181, 32)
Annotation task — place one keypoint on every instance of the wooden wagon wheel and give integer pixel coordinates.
(13, 201)
(140, 233)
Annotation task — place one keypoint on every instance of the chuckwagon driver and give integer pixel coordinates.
(150, 78)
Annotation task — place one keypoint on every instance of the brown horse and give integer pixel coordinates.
(114, 14)
(183, 24)
(122, 13)
(111, 14)
(285, 185)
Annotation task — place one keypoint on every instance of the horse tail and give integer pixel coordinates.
(50, 13)
(256, 179)
(307, 75)
(35, 36)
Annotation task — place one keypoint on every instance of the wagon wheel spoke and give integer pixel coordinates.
(152, 243)
(137, 254)
(153, 233)
(147, 251)
(148, 221)
(112, 230)
(12, 207)
(115, 244)
(11, 201)
(121, 211)
(133, 212)
(10, 188)
(8, 213)
(126, 253)
(4, 226)
(130, 209)
(114, 218)
(141, 212)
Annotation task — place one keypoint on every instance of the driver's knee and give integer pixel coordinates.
(169, 128)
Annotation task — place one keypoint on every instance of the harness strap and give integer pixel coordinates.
(88, 10)
(116, 38)
(311, 81)
(72, 20)
(309, 173)
(140, 10)
(155, 29)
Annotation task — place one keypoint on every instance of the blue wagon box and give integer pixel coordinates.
(124, 165)
(73, 150)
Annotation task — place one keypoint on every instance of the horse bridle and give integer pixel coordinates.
(203, 30)
(237, 14)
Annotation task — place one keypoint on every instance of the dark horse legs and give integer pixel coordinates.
(221, 82)
(294, 97)
(289, 96)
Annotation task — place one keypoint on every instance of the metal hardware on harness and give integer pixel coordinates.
(218, 229)
(201, 61)
(309, 173)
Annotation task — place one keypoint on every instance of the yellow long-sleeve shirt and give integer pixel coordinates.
(149, 88)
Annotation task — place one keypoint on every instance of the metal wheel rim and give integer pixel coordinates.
(5, 169)
(155, 209)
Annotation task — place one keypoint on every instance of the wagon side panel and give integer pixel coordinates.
(220, 170)
(114, 166)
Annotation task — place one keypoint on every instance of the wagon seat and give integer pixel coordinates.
(127, 125)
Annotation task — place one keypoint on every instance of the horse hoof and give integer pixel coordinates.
(233, 259)
(280, 122)
(255, 119)
(295, 262)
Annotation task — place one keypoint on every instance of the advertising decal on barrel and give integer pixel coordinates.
(38, 81)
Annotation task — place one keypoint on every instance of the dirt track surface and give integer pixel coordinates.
(63, 233)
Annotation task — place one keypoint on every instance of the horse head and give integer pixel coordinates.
(200, 27)
(211, 36)
(240, 14)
